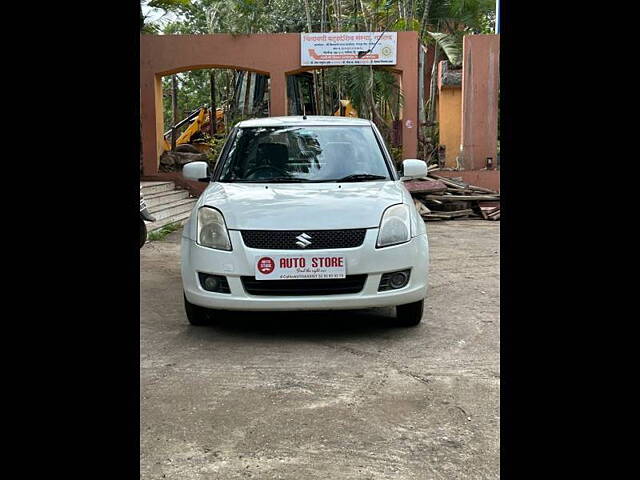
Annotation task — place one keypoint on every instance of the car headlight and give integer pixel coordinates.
(395, 226)
(212, 231)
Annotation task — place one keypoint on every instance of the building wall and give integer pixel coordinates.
(449, 118)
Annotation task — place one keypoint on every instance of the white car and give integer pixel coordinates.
(305, 213)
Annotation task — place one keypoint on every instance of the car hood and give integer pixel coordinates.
(302, 206)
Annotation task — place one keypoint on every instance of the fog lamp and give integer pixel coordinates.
(211, 283)
(214, 283)
(394, 280)
(398, 280)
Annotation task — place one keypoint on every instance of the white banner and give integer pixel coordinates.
(341, 48)
(307, 266)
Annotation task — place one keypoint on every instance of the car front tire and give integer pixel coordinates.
(195, 314)
(410, 315)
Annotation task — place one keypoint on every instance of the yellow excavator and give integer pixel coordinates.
(345, 109)
(199, 119)
(199, 123)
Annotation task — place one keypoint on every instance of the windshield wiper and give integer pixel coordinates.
(271, 180)
(359, 177)
(281, 180)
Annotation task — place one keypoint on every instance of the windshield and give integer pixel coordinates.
(304, 154)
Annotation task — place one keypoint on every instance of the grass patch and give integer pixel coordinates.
(163, 232)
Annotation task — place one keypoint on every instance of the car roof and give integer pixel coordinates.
(300, 121)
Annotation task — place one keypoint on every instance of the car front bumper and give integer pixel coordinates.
(365, 259)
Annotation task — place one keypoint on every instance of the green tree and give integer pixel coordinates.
(167, 6)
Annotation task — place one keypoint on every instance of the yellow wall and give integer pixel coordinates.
(450, 120)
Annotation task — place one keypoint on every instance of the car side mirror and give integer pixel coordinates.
(198, 171)
(413, 168)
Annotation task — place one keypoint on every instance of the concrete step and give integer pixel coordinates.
(169, 209)
(156, 199)
(167, 204)
(180, 218)
(149, 188)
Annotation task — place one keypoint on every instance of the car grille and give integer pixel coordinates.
(286, 239)
(333, 286)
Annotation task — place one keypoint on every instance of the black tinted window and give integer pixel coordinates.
(304, 154)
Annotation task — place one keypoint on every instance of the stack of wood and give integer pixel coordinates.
(441, 198)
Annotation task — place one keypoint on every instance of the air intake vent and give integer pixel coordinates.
(334, 286)
(312, 239)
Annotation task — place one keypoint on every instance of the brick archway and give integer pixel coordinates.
(275, 55)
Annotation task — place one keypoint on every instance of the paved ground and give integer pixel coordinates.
(334, 395)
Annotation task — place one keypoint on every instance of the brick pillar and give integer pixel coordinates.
(151, 111)
(408, 64)
(480, 83)
(278, 94)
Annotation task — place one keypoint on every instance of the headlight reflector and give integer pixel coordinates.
(395, 226)
(212, 231)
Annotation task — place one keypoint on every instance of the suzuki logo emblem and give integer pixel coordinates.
(303, 240)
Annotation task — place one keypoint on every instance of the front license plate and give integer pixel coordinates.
(289, 267)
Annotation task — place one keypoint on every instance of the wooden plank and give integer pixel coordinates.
(454, 190)
(452, 214)
(425, 186)
(486, 211)
(458, 213)
(455, 198)
(421, 207)
(449, 182)
(491, 210)
(484, 190)
(453, 206)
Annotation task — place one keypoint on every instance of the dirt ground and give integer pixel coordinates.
(338, 395)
